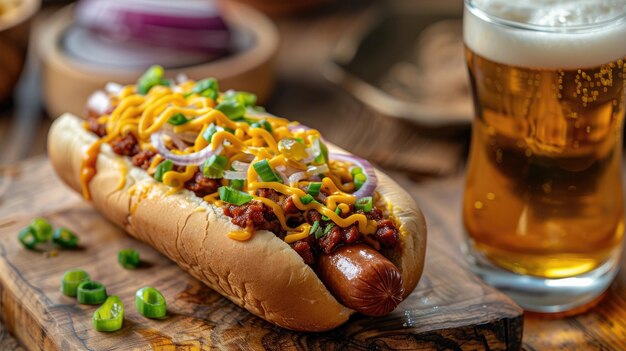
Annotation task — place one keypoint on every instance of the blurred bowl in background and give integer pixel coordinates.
(68, 78)
(15, 19)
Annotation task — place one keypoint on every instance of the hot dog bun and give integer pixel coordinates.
(264, 274)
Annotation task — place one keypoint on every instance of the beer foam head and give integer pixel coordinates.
(546, 33)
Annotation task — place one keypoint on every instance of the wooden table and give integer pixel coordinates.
(302, 94)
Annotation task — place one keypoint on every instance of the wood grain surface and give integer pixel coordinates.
(450, 309)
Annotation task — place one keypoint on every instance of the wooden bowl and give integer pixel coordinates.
(68, 82)
(14, 32)
(283, 7)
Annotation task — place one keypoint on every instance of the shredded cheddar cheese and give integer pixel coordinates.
(254, 137)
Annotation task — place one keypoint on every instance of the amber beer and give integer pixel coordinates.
(544, 191)
(544, 195)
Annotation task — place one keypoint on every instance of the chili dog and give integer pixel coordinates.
(260, 209)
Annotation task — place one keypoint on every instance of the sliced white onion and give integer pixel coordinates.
(195, 158)
(99, 102)
(181, 78)
(176, 140)
(282, 172)
(248, 157)
(188, 136)
(372, 181)
(113, 88)
(235, 175)
(314, 151)
(321, 169)
(296, 177)
(240, 166)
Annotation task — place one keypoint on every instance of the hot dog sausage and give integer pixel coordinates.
(362, 279)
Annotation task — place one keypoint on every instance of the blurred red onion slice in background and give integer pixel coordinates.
(189, 25)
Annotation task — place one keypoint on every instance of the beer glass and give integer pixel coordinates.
(543, 206)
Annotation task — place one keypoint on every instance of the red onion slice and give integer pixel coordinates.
(372, 181)
(195, 158)
(191, 24)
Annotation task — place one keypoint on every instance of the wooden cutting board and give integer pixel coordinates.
(450, 309)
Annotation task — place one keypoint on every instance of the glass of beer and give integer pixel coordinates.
(543, 207)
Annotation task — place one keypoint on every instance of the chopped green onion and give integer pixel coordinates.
(110, 316)
(207, 88)
(211, 94)
(316, 230)
(364, 204)
(300, 140)
(323, 156)
(233, 196)
(27, 238)
(359, 180)
(42, 229)
(314, 227)
(129, 258)
(213, 167)
(178, 119)
(266, 173)
(152, 77)
(236, 184)
(230, 130)
(328, 228)
(262, 124)
(91, 293)
(204, 84)
(232, 109)
(307, 199)
(71, 280)
(242, 97)
(356, 170)
(150, 303)
(209, 132)
(337, 211)
(65, 238)
(162, 168)
(314, 188)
